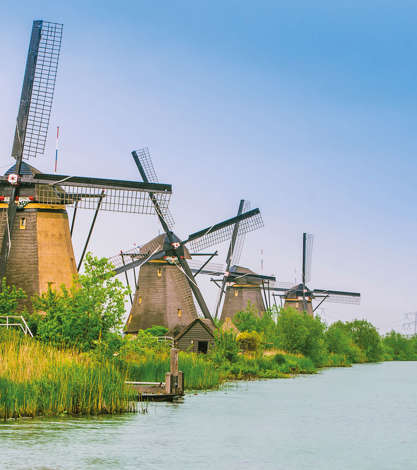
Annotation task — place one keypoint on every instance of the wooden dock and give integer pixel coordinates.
(170, 390)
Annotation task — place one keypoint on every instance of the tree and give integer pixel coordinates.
(366, 336)
(85, 314)
(400, 347)
(301, 333)
(339, 340)
(246, 320)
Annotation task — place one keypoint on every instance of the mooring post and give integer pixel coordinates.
(168, 383)
(174, 361)
(174, 379)
(180, 383)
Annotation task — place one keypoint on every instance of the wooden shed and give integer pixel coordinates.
(197, 336)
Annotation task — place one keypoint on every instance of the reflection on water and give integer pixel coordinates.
(358, 418)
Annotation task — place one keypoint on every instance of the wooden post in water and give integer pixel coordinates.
(174, 379)
(174, 361)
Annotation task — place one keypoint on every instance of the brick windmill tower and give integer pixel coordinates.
(301, 298)
(166, 284)
(240, 285)
(36, 247)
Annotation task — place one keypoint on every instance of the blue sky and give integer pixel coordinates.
(309, 111)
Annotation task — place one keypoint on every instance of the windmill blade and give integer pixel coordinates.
(130, 259)
(236, 276)
(145, 166)
(38, 90)
(307, 256)
(218, 233)
(213, 269)
(119, 195)
(240, 240)
(234, 251)
(336, 296)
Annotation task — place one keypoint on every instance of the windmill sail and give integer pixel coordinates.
(119, 195)
(307, 256)
(339, 297)
(34, 112)
(218, 233)
(148, 174)
(38, 90)
(240, 240)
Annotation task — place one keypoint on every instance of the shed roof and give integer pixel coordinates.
(205, 322)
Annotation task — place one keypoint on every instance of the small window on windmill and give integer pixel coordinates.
(236, 292)
(22, 223)
(179, 313)
(140, 299)
(159, 272)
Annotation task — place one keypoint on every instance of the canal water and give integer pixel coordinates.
(364, 417)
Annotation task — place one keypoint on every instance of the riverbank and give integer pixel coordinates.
(40, 378)
(37, 379)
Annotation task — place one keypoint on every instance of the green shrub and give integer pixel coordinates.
(279, 358)
(157, 330)
(302, 333)
(248, 340)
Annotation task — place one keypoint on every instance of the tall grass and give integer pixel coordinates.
(199, 373)
(36, 379)
(203, 373)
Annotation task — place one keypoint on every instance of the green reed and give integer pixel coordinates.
(37, 379)
(199, 372)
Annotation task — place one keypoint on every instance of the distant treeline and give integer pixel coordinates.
(356, 341)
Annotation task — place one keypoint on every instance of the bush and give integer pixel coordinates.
(302, 333)
(248, 341)
(157, 330)
(339, 341)
(367, 338)
(279, 358)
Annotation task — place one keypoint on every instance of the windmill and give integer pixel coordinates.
(239, 284)
(166, 284)
(36, 242)
(300, 297)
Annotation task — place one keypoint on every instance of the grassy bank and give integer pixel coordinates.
(37, 379)
(203, 372)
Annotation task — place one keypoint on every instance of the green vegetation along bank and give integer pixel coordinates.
(78, 361)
